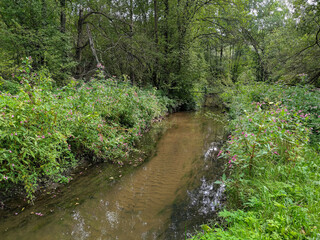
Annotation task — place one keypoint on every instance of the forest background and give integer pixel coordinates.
(177, 46)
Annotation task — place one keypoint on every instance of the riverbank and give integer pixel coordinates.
(273, 158)
(47, 131)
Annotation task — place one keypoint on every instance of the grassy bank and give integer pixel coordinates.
(273, 188)
(46, 131)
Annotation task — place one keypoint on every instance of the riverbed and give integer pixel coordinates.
(168, 196)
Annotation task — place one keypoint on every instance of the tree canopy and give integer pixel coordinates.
(178, 46)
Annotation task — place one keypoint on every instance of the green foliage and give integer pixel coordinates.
(303, 100)
(273, 189)
(31, 28)
(73, 37)
(44, 131)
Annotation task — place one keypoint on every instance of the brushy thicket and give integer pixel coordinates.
(44, 129)
(273, 188)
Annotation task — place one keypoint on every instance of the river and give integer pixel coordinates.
(166, 197)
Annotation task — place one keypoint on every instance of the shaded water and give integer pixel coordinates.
(164, 198)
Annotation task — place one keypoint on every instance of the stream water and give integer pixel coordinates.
(167, 197)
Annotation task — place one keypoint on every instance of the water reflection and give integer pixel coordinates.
(206, 198)
(78, 231)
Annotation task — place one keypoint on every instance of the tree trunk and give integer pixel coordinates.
(165, 76)
(63, 16)
(180, 37)
(94, 53)
(131, 17)
(79, 38)
(131, 71)
(221, 56)
(166, 31)
(44, 16)
(155, 22)
(238, 53)
(156, 40)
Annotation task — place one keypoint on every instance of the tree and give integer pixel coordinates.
(30, 29)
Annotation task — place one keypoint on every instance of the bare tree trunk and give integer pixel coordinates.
(94, 53)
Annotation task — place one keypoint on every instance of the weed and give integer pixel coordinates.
(273, 157)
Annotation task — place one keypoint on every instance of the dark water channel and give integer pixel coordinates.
(167, 197)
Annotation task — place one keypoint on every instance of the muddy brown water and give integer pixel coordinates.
(167, 197)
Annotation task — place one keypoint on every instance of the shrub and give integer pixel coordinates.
(45, 130)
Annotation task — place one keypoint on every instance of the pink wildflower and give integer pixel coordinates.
(219, 153)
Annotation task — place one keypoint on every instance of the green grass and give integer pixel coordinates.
(273, 189)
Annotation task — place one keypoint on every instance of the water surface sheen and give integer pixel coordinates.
(164, 198)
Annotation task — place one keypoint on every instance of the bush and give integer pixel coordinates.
(44, 130)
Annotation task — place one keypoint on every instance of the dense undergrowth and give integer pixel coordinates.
(273, 188)
(46, 130)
